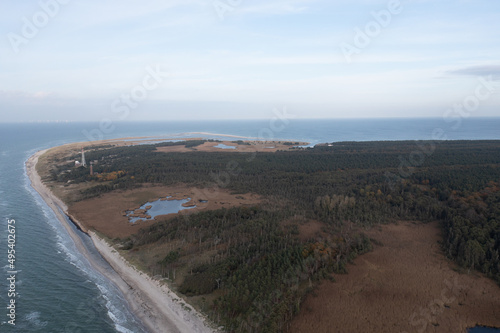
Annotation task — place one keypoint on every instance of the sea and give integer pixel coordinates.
(54, 287)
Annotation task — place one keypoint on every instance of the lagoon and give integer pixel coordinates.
(160, 207)
(223, 146)
(482, 329)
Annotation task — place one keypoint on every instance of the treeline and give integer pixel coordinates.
(358, 183)
(357, 170)
(187, 144)
(259, 267)
(472, 230)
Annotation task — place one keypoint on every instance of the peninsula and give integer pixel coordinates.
(265, 232)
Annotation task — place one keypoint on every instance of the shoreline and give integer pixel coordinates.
(156, 296)
(153, 303)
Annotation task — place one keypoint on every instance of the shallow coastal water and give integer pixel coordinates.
(57, 291)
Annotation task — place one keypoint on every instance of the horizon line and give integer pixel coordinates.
(233, 119)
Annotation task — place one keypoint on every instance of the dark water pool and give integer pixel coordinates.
(161, 207)
(480, 329)
(223, 146)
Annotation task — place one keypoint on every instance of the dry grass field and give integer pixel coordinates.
(105, 214)
(404, 285)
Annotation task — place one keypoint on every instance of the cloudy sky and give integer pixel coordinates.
(184, 59)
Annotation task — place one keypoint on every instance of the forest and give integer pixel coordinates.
(256, 254)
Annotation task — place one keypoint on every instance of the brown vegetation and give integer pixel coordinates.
(105, 214)
(250, 147)
(405, 284)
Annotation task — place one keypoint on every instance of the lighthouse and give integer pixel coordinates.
(83, 159)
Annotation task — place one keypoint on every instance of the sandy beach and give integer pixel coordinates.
(158, 307)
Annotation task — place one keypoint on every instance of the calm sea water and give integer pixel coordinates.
(57, 290)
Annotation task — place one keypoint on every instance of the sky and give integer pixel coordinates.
(240, 59)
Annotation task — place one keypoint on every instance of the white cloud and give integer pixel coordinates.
(276, 7)
(274, 51)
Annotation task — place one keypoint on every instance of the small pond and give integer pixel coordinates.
(481, 329)
(223, 146)
(160, 207)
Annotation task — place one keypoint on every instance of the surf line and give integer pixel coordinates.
(72, 226)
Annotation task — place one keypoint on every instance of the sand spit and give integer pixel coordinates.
(159, 308)
(221, 135)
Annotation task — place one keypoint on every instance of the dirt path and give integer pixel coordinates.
(406, 285)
